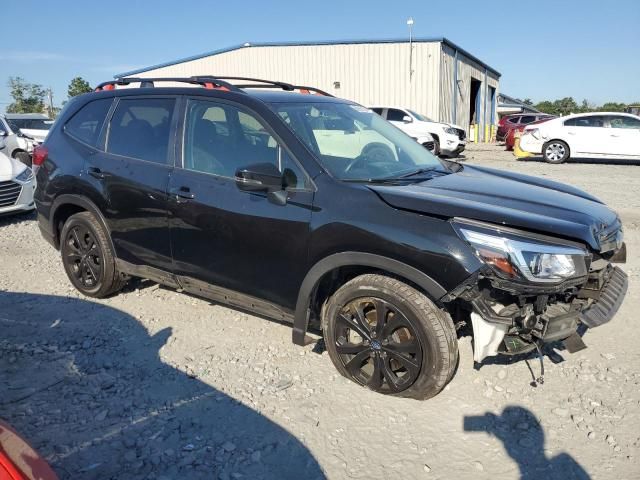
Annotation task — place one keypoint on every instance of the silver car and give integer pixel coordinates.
(15, 144)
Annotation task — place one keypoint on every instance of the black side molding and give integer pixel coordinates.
(343, 259)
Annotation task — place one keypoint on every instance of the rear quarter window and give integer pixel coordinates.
(86, 123)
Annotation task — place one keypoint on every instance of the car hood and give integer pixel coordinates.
(9, 167)
(37, 135)
(510, 199)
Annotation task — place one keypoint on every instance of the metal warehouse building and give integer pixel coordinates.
(432, 76)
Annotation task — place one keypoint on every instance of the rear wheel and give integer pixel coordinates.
(384, 334)
(555, 151)
(87, 257)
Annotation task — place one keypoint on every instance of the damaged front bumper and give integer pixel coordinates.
(506, 319)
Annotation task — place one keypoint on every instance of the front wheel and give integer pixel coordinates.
(23, 157)
(386, 335)
(555, 151)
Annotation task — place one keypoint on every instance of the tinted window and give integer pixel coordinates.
(220, 139)
(86, 124)
(527, 119)
(140, 128)
(514, 120)
(624, 122)
(32, 123)
(590, 121)
(377, 110)
(394, 115)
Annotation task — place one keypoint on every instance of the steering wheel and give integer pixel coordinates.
(372, 153)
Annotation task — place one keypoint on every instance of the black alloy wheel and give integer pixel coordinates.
(378, 345)
(88, 257)
(84, 257)
(386, 335)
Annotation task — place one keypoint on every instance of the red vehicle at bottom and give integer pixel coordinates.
(510, 139)
(18, 461)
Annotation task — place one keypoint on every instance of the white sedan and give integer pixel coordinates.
(608, 135)
(17, 184)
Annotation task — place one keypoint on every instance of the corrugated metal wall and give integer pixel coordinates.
(466, 70)
(368, 73)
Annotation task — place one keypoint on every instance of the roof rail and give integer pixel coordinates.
(212, 82)
(207, 82)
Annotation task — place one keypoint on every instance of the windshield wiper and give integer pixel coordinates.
(419, 171)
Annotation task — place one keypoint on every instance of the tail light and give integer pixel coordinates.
(39, 155)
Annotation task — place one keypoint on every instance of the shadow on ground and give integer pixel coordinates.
(523, 439)
(84, 383)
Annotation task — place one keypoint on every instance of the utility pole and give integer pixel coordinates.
(410, 24)
(50, 97)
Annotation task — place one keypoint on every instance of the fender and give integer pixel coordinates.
(344, 259)
(80, 201)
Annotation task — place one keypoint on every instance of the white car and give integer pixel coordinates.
(17, 184)
(34, 125)
(448, 140)
(609, 135)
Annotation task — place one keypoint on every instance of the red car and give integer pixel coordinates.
(510, 140)
(18, 461)
(521, 119)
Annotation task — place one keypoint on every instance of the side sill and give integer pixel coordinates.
(206, 290)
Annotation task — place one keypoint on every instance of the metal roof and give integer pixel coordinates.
(444, 40)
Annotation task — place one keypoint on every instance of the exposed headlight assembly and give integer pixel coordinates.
(25, 176)
(519, 256)
(451, 131)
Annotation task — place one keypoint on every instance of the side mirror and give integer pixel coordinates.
(259, 177)
(407, 119)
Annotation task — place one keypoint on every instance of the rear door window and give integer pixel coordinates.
(87, 123)
(514, 120)
(527, 119)
(377, 110)
(140, 129)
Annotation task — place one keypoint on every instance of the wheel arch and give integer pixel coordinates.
(356, 263)
(69, 204)
(557, 139)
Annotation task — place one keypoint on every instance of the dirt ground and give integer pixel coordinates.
(154, 384)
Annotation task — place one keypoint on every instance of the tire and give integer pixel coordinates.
(412, 353)
(436, 146)
(555, 151)
(23, 157)
(88, 258)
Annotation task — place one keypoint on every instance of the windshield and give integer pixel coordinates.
(353, 143)
(31, 123)
(418, 116)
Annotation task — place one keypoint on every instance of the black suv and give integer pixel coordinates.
(299, 206)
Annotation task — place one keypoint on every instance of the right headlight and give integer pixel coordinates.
(451, 131)
(516, 255)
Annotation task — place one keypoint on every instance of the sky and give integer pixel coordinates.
(544, 49)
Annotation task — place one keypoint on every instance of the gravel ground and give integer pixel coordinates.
(156, 384)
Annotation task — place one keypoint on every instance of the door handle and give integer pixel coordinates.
(96, 172)
(182, 194)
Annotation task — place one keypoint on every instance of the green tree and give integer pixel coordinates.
(78, 86)
(546, 106)
(527, 101)
(27, 97)
(613, 107)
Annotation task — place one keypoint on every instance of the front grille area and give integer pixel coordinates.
(461, 134)
(9, 193)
